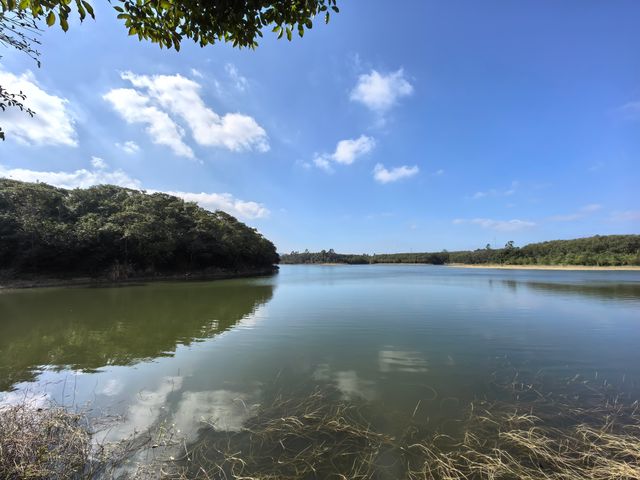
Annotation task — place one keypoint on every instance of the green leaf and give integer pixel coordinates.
(289, 35)
(64, 24)
(89, 8)
(51, 18)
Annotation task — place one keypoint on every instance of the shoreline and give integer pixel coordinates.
(494, 266)
(631, 268)
(24, 283)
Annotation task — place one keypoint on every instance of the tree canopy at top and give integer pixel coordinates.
(168, 22)
(165, 22)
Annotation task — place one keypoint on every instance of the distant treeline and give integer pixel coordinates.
(114, 232)
(609, 250)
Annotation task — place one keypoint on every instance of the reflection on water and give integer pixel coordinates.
(414, 342)
(89, 328)
(603, 290)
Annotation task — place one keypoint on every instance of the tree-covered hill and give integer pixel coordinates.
(118, 233)
(609, 250)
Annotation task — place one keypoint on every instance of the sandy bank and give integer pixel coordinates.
(546, 267)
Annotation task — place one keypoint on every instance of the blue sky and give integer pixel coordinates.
(433, 125)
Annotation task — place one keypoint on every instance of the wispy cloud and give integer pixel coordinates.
(159, 100)
(630, 109)
(380, 92)
(100, 175)
(625, 216)
(52, 124)
(239, 82)
(225, 202)
(129, 147)
(497, 193)
(98, 163)
(580, 214)
(498, 225)
(383, 175)
(596, 166)
(346, 152)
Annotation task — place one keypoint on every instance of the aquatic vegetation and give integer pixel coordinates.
(596, 437)
(588, 432)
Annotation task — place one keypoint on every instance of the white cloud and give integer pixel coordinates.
(129, 147)
(84, 178)
(581, 213)
(196, 73)
(81, 178)
(323, 163)
(382, 175)
(225, 202)
(52, 124)
(180, 97)
(98, 163)
(239, 82)
(136, 108)
(438, 173)
(499, 225)
(380, 92)
(346, 152)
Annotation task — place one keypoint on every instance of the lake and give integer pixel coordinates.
(412, 345)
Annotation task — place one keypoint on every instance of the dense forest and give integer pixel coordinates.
(118, 233)
(609, 250)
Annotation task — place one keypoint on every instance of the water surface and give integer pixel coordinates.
(393, 336)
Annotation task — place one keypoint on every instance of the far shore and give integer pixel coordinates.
(631, 268)
(545, 267)
(20, 283)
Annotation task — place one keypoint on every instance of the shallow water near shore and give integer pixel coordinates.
(419, 342)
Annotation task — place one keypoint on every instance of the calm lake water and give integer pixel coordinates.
(397, 337)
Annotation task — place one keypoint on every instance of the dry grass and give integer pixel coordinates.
(38, 443)
(544, 437)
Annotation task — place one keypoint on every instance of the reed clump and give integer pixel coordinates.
(42, 443)
(317, 438)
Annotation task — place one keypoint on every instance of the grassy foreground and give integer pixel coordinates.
(593, 433)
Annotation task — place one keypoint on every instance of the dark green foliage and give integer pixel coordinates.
(332, 257)
(118, 232)
(18, 31)
(609, 250)
(168, 22)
